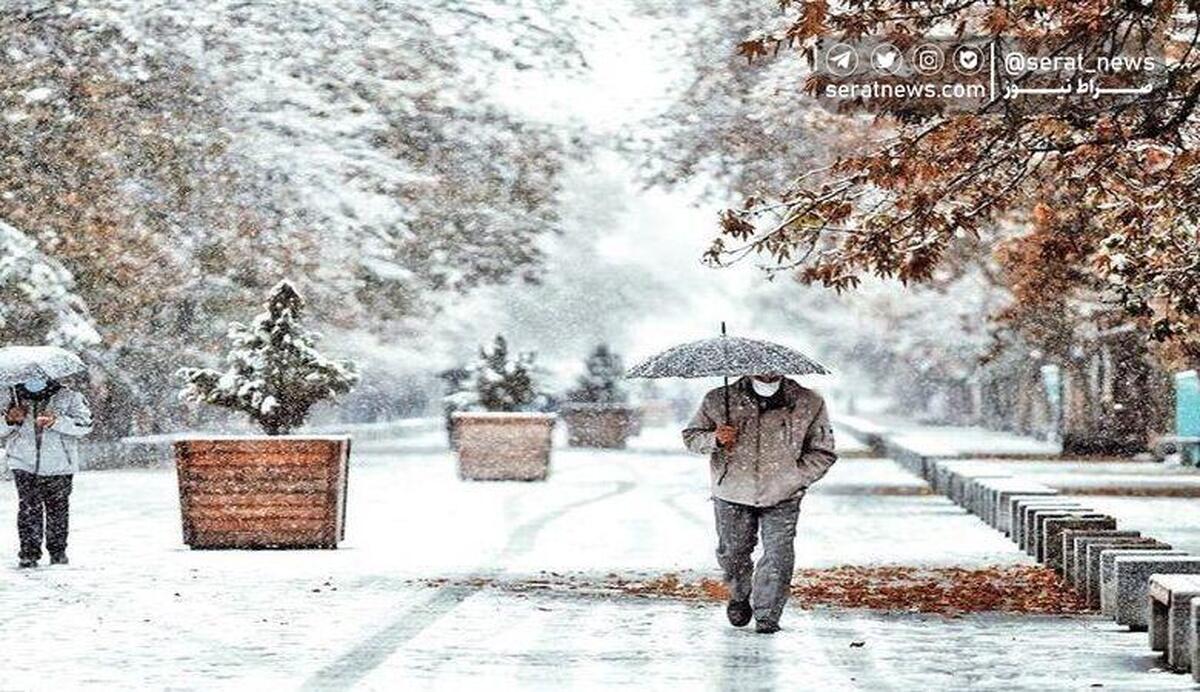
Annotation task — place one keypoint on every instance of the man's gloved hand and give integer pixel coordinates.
(726, 435)
(14, 415)
(46, 419)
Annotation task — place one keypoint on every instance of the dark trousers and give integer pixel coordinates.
(766, 585)
(43, 503)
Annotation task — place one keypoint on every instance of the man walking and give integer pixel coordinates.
(768, 439)
(44, 422)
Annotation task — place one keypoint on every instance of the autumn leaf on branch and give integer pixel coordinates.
(925, 179)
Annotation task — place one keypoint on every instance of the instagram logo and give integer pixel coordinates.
(927, 59)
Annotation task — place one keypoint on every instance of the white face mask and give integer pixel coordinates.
(765, 388)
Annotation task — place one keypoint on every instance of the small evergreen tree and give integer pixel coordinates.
(601, 382)
(275, 373)
(497, 382)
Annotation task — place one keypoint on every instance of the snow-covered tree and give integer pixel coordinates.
(177, 161)
(498, 381)
(601, 383)
(425, 185)
(275, 374)
(38, 299)
(116, 165)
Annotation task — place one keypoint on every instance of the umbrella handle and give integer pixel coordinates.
(725, 453)
(726, 382)
(726, 392)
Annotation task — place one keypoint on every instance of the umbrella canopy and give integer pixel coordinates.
(21, 363)
(727, 356)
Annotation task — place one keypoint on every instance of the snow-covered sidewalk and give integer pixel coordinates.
(951, 440)
(138, 609)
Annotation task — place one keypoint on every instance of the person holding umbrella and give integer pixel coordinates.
(44, 421)
(768, 439)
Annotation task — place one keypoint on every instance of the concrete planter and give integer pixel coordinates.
(503, 446)
(263, 492)
(598, 425)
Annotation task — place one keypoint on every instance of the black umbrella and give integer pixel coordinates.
(727, 356)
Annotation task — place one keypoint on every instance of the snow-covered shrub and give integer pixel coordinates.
(275, 374)
(601, 383)
(496, 382)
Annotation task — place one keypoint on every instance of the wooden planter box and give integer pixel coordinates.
(503, 446)
(598, 425)
(263, 492)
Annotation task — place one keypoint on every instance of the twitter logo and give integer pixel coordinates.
(886, 58)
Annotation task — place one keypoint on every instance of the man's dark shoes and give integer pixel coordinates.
(766, 627)
(26, 564)
(739, 613)
(59, 559)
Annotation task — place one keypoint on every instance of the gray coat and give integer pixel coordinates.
(59, 454)
(778, 453)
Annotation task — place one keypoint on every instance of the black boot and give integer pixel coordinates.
(26, 564)
(766, 627)
(739, 613)
(58, 559)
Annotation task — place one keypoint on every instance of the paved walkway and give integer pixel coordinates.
(136, 608)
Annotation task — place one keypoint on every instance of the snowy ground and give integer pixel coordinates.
(136, 608)
(951, 440)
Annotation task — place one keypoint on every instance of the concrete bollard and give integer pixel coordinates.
(1024, 509)
(997, 509)
(1101, 580)
(978, 492)
(935, 472)
(1132, 584)
(1037, 521)
(1194, 637)
(942, 471)
(1075, 556)
(1050, 547)
(962, 481)
(987, 492)
(1170, 600)
(996, 491)
(1016, 511)
(1014, 508)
